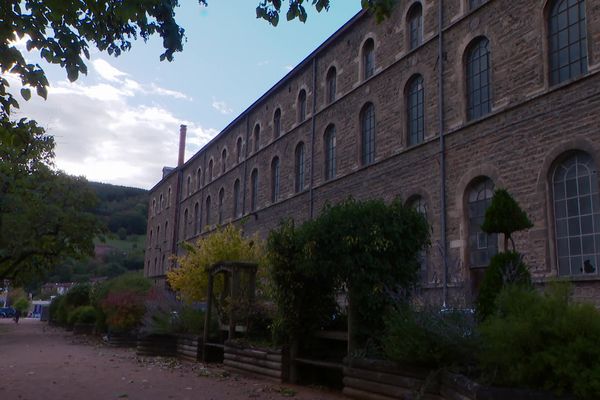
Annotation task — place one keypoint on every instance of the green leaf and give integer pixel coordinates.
(26, 93)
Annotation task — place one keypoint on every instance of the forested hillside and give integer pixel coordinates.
(122, 207)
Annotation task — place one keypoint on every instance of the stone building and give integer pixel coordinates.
(506, 94)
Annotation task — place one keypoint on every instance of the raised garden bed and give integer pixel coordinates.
(83, 329)
(189, 347)
(157, 345)
(122, 339)
(261, 362)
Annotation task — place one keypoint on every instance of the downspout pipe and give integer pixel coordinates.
(443, 238)
(312, 138)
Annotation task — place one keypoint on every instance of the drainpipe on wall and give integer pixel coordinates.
(312, 137)
(182, 135)
(442, 149)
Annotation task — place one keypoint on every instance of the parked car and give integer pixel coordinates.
(7, 312)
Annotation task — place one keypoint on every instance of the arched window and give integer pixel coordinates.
(367, 128)
(237, 206)
(567, 40)
(161, 203)
(157, 235)
(299, 167)
(166, 230)
(210, 171)
(224, 161)
(196, 218)
(478, 79)
(415, 26)
(577, 215)
(238, 149)
(185, 224)
(169, 197)
(150, 241)
(331, 84)
(482, 246)
(221, 204)
(189, 185)
(368, 59)
(330, 163)
(153, 213)
(254, 190)
(198, 178)
(275, 179)
(475, 3)
(277, 123)
(256, 137)
(207, 211)
(163, 262)
(415, 110)
(302, 105)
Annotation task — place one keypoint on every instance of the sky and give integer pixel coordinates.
(120, 123)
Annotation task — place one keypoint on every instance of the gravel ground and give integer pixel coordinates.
(38, 362)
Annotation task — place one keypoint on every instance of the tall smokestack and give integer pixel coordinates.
(182, 133)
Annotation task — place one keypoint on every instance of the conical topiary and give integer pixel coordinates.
(505, 216)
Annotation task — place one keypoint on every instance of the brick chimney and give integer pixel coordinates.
(182, 133)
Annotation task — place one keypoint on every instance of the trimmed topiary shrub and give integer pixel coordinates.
(82, 315)
(505, 268)
(543, 341)
(505, 216)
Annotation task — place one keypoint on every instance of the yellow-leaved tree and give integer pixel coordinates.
(227, 243)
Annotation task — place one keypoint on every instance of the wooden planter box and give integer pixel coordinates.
(264, 363)
(83, 329)
(189, 347)
(122, 339)
(156, 345)
(366, 379)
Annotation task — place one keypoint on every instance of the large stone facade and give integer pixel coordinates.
(533, 126)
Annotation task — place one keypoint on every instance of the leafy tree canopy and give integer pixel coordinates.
(44, 215)
(505, 216)
(61, 32)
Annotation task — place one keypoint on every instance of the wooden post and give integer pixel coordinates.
(233, 301)
(351, 322)
(207, 315)
(292, 361)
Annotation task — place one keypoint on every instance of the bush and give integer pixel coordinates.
(53, 309)
(431, 338)
(22, 304)
(78, 295)
(505, 268)
(62, 311)
(82, 315)
(542, 341)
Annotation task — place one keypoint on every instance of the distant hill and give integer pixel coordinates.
(122, 207)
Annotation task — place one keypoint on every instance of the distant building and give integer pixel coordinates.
(56, 289)
(506, 94)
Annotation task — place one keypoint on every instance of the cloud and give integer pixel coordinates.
(113, 131)
(167, 92)
(288, 67)
(107, 71)
(221, 107)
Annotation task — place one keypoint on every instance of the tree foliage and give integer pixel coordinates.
(369, 249)
(44, 214)
(190, 280)
(505, 216)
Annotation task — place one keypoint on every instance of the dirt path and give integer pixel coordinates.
(38, 362)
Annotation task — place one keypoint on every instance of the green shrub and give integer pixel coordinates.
(82, 315)
(431, 338)
(53, 309)
(22, 304)
(78, 295)
(504, 215)
(542, 341)
(504, 269)
(62, 311)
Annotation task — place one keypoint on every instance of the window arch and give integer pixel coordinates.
(482, 246)
(299, 167)
(198, 178)
(414, 24)
(169, 197)
(238, 149)
(576, 214)
(150, 241)
(331, 83)
(210, 171)
(166, 230)
(221, 205)
(254, 190)
(567, 40)
(157, 235)
(330, 162)
(367, 128)
(256, 137)
(153, 211)
(161, 202)
(189, 185)
(223, 161)
(207, 211)
(418, 203)
(275, 179)
(475, 3)
(196, 218)
(237, 206)
(277, 123)
(302, 105)
(368, 58)
(185, 223)
(478, 59)
(415, 110)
